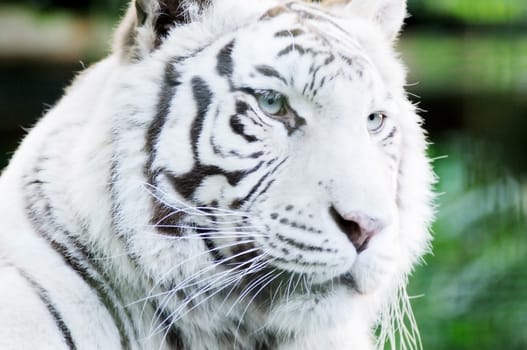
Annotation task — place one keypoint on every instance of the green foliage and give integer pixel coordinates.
(474, 288)
(493, 63)
(476, 12)
(113, 8)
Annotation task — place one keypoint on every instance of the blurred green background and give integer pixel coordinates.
(468, 72)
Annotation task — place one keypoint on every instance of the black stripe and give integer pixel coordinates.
(203, 97)
(166, 219)
(173, 335)
(188, 183)
(346, 59)
(225, 64)
(238, 128)
(304, 90)
(289, 33)
(292, 47)
(329, 59)
(390, 135)
(298, 261)
(266, 188)
(322, 82)
(161, 217)
(302, 51)
(274, 12)
(171, 80)
(270, 183)
(74, 254)
(242, 108)
(300, 245)
(313, 16)
(53, 311)
(237, 203)
(211, 247)
(269, 71)
(116, 211)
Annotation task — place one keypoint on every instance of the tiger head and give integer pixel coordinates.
(285, 168)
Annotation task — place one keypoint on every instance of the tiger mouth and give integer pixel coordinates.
(362, 243)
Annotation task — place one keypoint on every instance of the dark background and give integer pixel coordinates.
(468, 72)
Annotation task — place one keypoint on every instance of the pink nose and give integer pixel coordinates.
(358, 227)
(368, 224)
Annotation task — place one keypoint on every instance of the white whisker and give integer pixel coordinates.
(200, 271)
(185, 283)
(194, 227)
(201, 210)
(225, 283)
(269, 279)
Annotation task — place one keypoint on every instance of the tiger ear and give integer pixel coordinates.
(388, 14)
(148, 22)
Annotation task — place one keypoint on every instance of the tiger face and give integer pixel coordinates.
(282, 155)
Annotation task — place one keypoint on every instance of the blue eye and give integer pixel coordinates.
(272, 103)
(375, 122)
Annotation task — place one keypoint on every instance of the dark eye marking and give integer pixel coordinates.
(238, 128)
(390, 135)
(291, 120)
(269, 71)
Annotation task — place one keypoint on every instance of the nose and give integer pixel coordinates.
(357, 226)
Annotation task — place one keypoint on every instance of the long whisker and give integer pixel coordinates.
(269, 280)
(153, 296)
(201, 210)
(194, 227)
(215, 235)
(250, 287)
(199, 272)
(225, 284)
(205, 216)
(184, 283)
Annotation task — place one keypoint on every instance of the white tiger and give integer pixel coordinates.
(236, 175)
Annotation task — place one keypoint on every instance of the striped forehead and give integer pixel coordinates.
(300, 19)
(305, 38)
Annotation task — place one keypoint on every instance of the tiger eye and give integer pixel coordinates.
(375, 122)
(272, 103)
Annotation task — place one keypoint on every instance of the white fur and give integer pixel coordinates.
(94, 142)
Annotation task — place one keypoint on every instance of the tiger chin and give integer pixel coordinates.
(235, 175)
